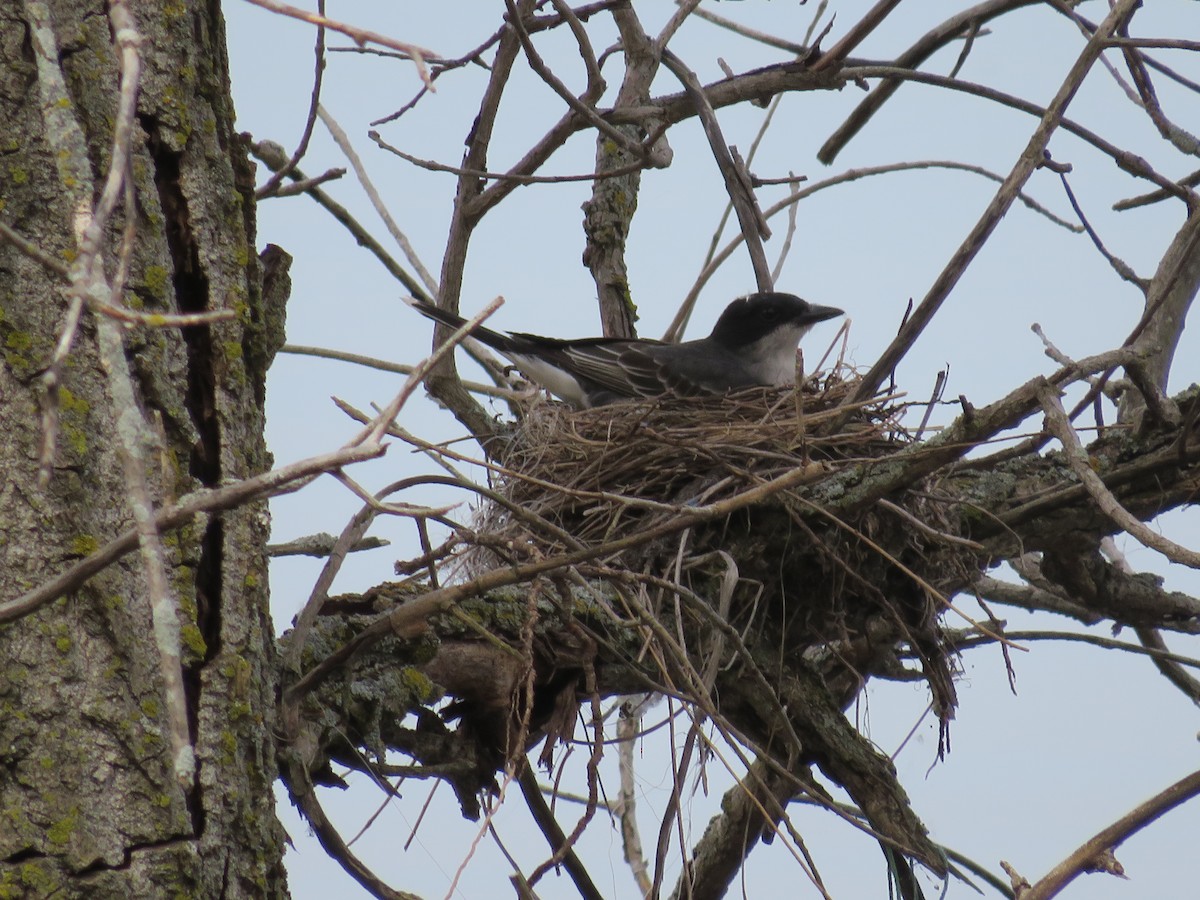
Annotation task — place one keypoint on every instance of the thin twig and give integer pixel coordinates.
(786, 249)
(384, 365)
(274, 157)
(631, 841)
(922, 49)
(296, 188)
(1188, 181)
(749, 215)
(719, 258)
(974, 30)
(762, 37)
(1130, 162)
(969, 639)
(1119, 265)
(305, 796)
(858, 32)
(354, 532)
(1154, 43)
(33, 251)
(343, 142)
(1179, 138)
(999, 205)
(1168, 666)
(583, 105)
(321, 545)
(181, 513)
(567, 848)
(1112, 836)
(271, 188)
(544, 817)
(360, 36)
(929, 532)
(433, 165)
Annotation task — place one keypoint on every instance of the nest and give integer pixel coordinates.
(803, 571)
(598, 473)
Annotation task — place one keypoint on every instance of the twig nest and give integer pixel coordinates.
(784, 566)
(599, 471)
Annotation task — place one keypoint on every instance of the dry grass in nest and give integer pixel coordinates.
(594, 473)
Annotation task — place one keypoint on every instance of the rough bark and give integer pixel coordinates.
(89, 802)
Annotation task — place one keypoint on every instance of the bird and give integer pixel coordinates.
(752, 344)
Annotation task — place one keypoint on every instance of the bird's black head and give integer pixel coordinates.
(750, 318)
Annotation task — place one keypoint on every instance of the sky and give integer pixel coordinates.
(1089, 733)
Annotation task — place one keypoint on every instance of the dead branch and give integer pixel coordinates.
(1085, 858)
(973, 243)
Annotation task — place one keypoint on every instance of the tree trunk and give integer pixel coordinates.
(92, 802)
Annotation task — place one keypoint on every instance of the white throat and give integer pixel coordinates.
(773, 356)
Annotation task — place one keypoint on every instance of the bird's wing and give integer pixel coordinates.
(631, 369)
(610, 366)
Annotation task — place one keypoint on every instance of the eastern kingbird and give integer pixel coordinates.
(752, 344)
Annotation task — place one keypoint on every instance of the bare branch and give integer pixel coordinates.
(444, 383)
(177, 514)
(608, 213)
(563, 851)
(1127, 161)
(762, 37)
(973, 243)
(33, 251)
(871, 20)
(748, 810)
(343, 142)
(1119, 266)
(1084, 858)
(1033, 598)
(271, 187)
(966, 640)
(515, 177)
(1172, 292)
(750, 217)
(305, 796)
(631, 841)
(384, 365)
(584, 105)
(275, 158)
(360, 36)
(300, 187)
(1171, 667)
(932, 41)
(321, 545)
(1179, 138)
(718, 258)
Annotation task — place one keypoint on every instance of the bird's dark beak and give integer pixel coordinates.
(819, 314)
